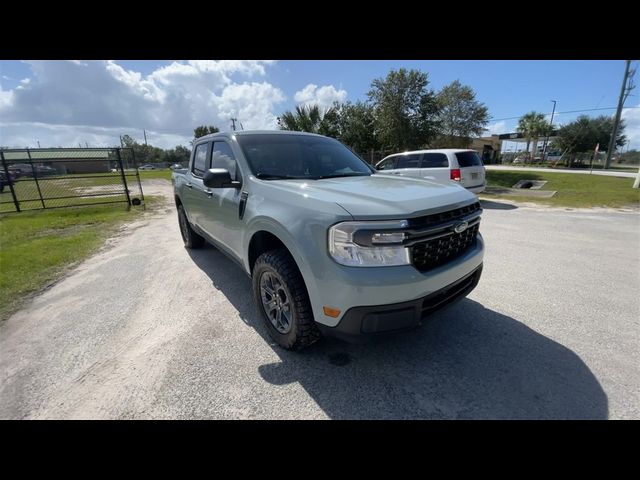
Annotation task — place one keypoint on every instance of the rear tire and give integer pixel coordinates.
(282, 299)
(189, 236)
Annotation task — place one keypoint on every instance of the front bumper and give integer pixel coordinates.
(360, 323)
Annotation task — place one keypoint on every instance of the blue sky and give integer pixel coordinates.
(66, 102)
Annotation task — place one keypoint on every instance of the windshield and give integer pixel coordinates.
(278, 156)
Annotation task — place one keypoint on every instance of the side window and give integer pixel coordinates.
(434, 160)
(223, 157)
(387, 164)
(409, 161)
(200, 159)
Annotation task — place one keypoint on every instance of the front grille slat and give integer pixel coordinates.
(433, 253)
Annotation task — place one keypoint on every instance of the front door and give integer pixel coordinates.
(193, 195)
(221, 219)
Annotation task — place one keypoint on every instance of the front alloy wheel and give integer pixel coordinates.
(275, 301)
(282, 299)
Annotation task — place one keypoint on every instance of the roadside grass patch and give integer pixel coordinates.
(37, 247)
(573, 190)
(154, 174)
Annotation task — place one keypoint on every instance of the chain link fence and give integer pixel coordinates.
(32, 179)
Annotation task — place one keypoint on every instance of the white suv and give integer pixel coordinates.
(463, 166)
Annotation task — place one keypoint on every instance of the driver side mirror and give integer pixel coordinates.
(219, 178)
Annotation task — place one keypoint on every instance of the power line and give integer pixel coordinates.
(568, 111)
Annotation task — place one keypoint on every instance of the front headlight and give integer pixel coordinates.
(369, 244)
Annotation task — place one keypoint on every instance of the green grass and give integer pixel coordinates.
(573, 190)
(153, 174)
(36, 247)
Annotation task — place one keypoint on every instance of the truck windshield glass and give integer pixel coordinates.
(278, 156)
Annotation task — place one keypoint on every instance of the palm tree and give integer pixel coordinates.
(303, 119)
(533, 126)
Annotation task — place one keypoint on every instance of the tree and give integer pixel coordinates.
(302, 119)
(405, 109)
(357, 127)
(533, 126)
(460, 115)
(128, 142)
(584, 133)
(312, 119)
(203, 130)
(330, 123)
(144, 153)
(179, 154)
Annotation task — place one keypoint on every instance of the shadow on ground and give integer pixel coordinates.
(466, 362)
(491, 205)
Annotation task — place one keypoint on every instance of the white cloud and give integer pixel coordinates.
(496, 128)
(6, 99)
(257, 114)
(323, 96)
(631, 117)
(66, 102)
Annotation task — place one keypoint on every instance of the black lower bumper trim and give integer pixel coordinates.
(359, 323)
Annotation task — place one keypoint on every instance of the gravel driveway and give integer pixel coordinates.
(147, 329)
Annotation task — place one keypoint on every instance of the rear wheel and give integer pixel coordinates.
(281, 296)
(189, 236)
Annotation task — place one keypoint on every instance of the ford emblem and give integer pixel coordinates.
(461, 227)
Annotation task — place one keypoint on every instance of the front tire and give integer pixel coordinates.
(189, 236)
(282, 299)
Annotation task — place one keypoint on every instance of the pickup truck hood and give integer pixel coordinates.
(381, 196)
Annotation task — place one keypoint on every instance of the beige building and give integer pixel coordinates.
(488, 147)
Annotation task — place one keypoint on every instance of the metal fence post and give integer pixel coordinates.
(35, 177)
(124, 179)
(135, 164)
(6, 172)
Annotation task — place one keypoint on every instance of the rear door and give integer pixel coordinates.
(435, 166)
(471, 169)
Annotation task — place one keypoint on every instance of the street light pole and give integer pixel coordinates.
(546, 139)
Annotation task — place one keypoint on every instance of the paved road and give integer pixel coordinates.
(606, 173)
(146, 329)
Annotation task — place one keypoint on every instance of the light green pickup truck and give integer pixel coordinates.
(332, 246)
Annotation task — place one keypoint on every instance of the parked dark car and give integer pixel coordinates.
(4, 181)
(28, 170)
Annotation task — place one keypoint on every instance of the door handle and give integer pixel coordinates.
(188, 185)
(209, 193)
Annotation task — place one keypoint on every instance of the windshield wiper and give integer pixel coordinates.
(273, 176)
(336, 175)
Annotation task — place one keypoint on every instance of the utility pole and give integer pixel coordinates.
(233, 123)
(546, 139)
(145, 137)
(616, 123)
